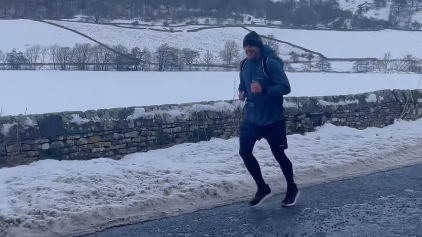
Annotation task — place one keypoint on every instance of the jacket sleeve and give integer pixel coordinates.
(242, 86)
(280, 82)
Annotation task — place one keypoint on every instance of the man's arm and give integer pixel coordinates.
(242, 86)
(281, 84)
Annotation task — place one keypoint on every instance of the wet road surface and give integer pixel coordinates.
(387, 204)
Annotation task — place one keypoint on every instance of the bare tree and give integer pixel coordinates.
(136, 53)
(64, 57)
(413, 64)
(82, 55)
(44, 53)
(32, 54)
(399, 66)
(121, 49)
(294, 57)
(323, 65)
(189, 57)
(208, 59)
(53, 54)
(307, 67)
(121, 60)
(270, 40)
(385, 63)
(167, 58)
(364, 66)
(146, 60)
(230, 54)
(101, 56)
(96, 57)
(409, 63)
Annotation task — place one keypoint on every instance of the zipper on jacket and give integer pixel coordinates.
(253, 95)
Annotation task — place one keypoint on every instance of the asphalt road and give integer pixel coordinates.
(384, 204)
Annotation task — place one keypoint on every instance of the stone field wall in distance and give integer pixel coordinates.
(116, 132)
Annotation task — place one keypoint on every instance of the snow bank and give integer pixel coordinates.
(52, 198)
(342, 102)
(5, 128)
(78, 120)
(220, 106)
(126, 89)
(372, 98)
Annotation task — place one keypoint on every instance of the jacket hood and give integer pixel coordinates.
(267, 51)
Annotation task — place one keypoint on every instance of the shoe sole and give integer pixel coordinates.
(294, 203)
(263, 200)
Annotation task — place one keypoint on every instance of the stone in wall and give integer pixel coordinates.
(81, 135)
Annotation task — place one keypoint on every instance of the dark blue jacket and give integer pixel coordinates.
(267, 107)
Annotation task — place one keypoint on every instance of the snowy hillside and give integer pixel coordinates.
(352, 44)
(332, 44)
(369, 10)
(20, 34)
(202, 41)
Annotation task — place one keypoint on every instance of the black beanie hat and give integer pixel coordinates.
(252, 39)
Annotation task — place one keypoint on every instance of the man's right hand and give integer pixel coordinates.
(242, 96)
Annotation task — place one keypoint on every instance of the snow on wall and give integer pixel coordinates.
(120, 131)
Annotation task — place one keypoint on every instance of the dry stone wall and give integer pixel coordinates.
(116, 132)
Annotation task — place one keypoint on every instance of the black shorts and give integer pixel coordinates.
(275, 133)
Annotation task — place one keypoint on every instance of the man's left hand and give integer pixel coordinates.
(256, 88)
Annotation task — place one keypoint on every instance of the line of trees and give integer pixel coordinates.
(104, 58)
(408, 63)
(100, 58)
(289, 12)
(167, 58)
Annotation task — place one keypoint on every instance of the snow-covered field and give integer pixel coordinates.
(51, 198)
(209, 39)
(56, 91)
(203, 40)
(333, 44)
(20, 34)
(365, 44)
(351, 44)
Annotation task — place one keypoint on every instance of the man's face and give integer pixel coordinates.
(252, 52)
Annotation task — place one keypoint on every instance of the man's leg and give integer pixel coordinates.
(277, 139)
(247, 139)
